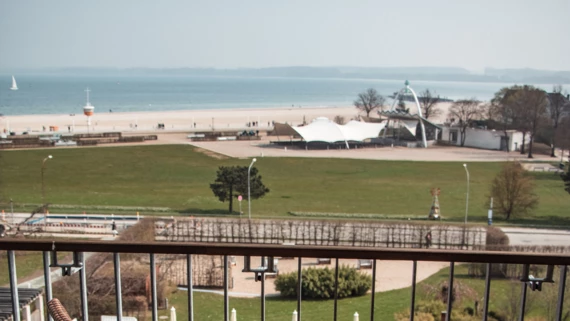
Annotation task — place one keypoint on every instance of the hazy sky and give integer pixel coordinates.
(260, 33)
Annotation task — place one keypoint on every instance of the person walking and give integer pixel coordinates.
(114, 228)
(428, 239)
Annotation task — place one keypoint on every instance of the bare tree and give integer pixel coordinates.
(369, 101)
(502, 110)
(465, 111)
(513, 191)
(339, 119)
(531, 104)
(512, 305)
(401, 106)
(428, 103)
(548, 299)
(563, 134)
(556, 104)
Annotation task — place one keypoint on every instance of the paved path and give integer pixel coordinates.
(244, 149)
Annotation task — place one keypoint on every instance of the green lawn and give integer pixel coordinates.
(27, 263)
(178, 177)
(210, 306)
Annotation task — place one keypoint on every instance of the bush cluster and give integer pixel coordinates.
(319, 283)
(496, 239)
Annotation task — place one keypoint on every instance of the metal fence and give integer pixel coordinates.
(78, 247)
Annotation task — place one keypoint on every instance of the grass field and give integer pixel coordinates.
(210, 306)
(26, 262)
(178, 177)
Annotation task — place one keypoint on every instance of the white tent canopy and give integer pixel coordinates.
(411, 125)
(324, 130)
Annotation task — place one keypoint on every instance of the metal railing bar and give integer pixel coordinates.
(83, 289)
(413, 301)
(154, 297)
(561, 288)
(487, 291)
(401, 254)
(118, 296)
(373, 294)
(523, 300)
(262, 291)
(299, 288)
(190, 287)
(226, 295)
(14, 286)
(47, 279)
(335, 288)
(450, 291)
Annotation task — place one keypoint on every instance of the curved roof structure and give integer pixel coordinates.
(324, 130)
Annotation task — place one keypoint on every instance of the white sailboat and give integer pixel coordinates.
(14, 85)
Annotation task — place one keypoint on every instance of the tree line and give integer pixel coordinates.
(540, 116)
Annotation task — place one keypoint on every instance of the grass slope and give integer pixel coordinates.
(178, 177)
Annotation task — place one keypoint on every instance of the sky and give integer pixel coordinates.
(472, 34)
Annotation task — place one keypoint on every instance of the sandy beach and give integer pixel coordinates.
(182, 120)
(179, 123)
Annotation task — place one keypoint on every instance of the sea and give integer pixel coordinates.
(65, 94)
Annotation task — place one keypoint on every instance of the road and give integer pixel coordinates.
(538, 237)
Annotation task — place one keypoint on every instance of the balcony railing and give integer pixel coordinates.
(50, 248)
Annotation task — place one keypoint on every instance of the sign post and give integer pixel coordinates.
(239, 199)
(490, 213)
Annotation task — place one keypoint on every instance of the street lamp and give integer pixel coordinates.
(467, 199)
(43, 188)
(249, 188)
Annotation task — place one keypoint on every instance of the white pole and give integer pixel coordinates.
(467, 198)
(172, 314)
(490, 213)
(28, 313)
(294, 315)
(233, 316)
(249, 188)
(40, 303)
(424, 138)
(355, 318)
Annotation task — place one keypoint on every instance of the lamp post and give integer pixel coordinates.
(249, 187)
(12, 209)
(467, 199)
(43, 185)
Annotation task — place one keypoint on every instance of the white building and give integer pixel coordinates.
(484, 138)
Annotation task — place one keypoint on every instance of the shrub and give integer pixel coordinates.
(319, 283)
(498, 316)
(496, 239)
(431, 310)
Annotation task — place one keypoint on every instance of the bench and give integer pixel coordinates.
(364, 264)
(323, 261)
(287, 244)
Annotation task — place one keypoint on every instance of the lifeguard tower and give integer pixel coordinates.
(88, 110)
